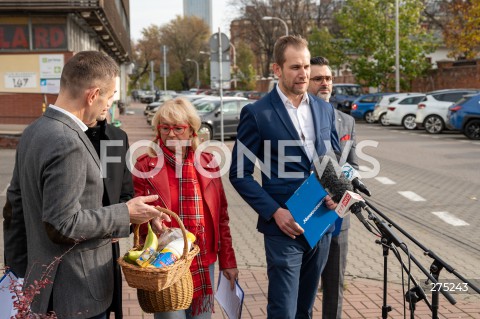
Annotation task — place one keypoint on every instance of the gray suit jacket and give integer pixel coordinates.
(345, 125)
(56, 196)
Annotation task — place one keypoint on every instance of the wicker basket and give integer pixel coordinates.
(176, 297)
(156, 279)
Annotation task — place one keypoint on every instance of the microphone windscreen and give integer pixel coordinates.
(335, 183)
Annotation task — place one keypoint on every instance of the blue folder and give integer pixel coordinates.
(307, 207)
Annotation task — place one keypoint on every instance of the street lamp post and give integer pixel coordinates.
(196, 64)
(397, 50)
(234, 66)
(275, 18)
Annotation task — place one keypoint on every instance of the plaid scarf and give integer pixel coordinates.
(191, 213)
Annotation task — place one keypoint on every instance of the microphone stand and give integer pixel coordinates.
(435, 268)
(388, 239)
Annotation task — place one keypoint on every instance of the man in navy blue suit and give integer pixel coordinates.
(285, 131)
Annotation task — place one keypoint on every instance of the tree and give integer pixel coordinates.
(261, 35)
(322, 43)
(185, 37)
(462, 32)
(146, 50)
(245, 63)
(368, 27)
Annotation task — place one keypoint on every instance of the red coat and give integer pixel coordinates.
(212, 192)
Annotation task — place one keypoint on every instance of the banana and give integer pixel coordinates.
(150, 242)
(132, 256)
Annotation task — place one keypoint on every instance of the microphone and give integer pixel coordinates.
(335, 183)
(352, 175)
(353, 202)
(339, 188)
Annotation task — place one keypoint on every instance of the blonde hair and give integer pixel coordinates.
(178, 110)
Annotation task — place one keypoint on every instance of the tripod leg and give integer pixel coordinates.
(385, 308)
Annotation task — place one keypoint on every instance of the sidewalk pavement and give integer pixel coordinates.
(363, 295)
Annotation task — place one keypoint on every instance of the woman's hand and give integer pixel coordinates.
(232, 275)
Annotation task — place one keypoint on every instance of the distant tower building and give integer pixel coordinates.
(199, 8)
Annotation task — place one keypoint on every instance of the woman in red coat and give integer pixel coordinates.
(189, 185)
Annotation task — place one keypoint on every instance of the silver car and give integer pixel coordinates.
(209, 110)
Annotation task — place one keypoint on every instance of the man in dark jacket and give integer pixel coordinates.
(321, 81)
(117, 185)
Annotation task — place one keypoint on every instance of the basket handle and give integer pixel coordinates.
(136, 231)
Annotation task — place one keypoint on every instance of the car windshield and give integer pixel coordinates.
(349, 90)
(205, 106)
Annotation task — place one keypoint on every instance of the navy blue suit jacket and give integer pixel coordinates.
(264, 126)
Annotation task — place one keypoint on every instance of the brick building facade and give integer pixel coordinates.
(450, 75)
(38, 37)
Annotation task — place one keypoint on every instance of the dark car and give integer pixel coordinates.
(465, 116)
(363, 107)
(209, 110)
(147, 97)
(153, 105)
(343, 95)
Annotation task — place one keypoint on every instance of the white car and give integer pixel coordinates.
(402, 111)
(432, 111)
(380, 111)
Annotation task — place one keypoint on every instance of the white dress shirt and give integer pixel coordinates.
(302, 119)
(82, 125)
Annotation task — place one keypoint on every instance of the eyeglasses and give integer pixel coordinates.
(177, 129)
(320, 79)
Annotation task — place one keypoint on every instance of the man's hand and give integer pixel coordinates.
(232, 275)
(286, 223)
(330, 203)
(140, 212)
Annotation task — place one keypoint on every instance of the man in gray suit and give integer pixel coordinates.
(321, 81)
(56, 191)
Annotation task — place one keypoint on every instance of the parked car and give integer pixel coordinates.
(152, 108)
(147, 97)
(402, 111)
(465, 116)
(209, 110)
(154, 105)
(381, 108)
(362, 107)
(432, 111)
(343, 95)
(255, 95)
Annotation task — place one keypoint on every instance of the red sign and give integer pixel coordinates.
(49, 37)
(45, 36)
(14, 37)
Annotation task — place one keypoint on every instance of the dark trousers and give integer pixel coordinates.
(293, 270)
(116, 306)
(100, 316)
(333, 277)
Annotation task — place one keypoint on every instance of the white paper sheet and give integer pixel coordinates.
(6, 301)
(230, 300)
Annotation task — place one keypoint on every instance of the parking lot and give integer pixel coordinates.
(421, 175)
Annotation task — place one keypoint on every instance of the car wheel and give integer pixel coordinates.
(383, 119)
(369, 117)
(472, 130)
(408, 122)
(434, 124)
(205, 132)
